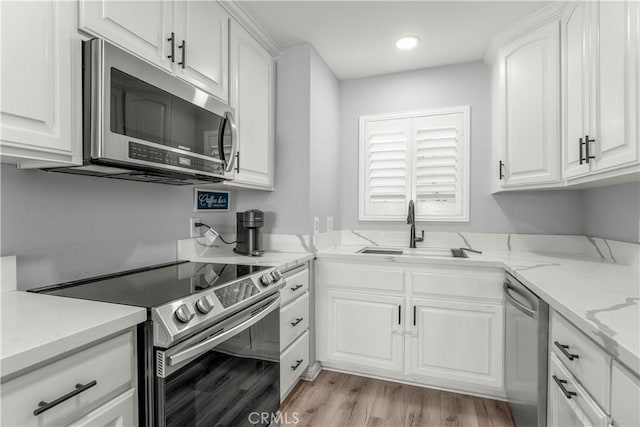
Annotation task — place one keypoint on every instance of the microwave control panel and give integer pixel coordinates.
(165, 157)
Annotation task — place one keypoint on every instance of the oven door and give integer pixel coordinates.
(228, 375)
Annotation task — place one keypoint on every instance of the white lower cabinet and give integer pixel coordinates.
(458, 341)
(362, 329)
(431, 325)
(625, 396)
(568, 403)
(95, 377)
(293, 361)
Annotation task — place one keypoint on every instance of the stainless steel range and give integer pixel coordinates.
(209, 353)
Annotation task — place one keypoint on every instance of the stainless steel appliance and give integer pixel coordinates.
(141, 123)
(527, 332)
(249, 233)
(209, 353)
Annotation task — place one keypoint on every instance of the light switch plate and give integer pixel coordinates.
(329, 224)
(316, 225)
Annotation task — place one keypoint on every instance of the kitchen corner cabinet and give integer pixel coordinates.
(252, 97)
(41, 87)
(187, 38)
(528, 110)
(601, 91)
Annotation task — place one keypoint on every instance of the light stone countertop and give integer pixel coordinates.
(37, 327)
(600, 297)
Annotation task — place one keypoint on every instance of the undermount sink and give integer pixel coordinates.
(426, 252)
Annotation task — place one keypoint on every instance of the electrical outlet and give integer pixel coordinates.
(195, 231)
(329, 224)
(316, 225)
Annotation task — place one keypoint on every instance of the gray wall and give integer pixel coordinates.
(65, 227)
(613, 212)
(324, 143)
(533, 212)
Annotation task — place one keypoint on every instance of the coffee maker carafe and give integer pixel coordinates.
(248, 233)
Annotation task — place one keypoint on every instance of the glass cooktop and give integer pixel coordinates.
(153, 286)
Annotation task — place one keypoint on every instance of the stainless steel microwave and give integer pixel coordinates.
(141, 123)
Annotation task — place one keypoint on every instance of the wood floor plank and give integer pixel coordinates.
(341, 400)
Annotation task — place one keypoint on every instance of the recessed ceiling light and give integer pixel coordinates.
(407, 43)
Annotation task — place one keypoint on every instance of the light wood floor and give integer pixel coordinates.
(336, 399)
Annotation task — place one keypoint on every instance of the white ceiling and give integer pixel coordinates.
(357, 38)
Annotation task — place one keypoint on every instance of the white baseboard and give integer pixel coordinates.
(312, 372)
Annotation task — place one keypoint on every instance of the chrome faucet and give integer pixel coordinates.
(411, 219)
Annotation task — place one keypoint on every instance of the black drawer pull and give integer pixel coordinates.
(563, 348)
(298, 363)
(298, 320)
(172, 39)
(183, 46)
(45, 406)
(561, 384)
(296, 287)
(587, 147)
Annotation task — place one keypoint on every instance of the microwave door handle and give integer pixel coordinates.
(212, 342)
(234, 142)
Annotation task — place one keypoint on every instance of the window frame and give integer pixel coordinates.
(464, 158)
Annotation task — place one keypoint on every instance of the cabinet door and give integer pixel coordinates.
(252, 84)
(142, 27)
(532, 107)
(41, 87)
(361, 330)
(202, 28)
(576, 90)
(456, 341)
(573, 410)
(118, 412)
(625, 395)
(616, 87)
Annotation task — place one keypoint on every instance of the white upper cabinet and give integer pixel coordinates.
(529, 108)
(143, 27)
(202, 47)
(601, 91)
(41, 86)
(252, 97)
(187, 38)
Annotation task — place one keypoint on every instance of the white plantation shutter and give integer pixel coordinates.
(422, 156)
(385, 159)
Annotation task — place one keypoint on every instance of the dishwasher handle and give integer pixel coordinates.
(517, 304)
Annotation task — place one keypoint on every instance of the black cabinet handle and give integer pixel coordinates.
(183, 46)
(298, 363)
(172, 39)
(563, 348)
(298, 320)
(561, 384)
(399, 315)
(587, 144)
(238, 162)
(580, 145)
(45, 406)
(500, 169)
(414, 315)
(296, 287)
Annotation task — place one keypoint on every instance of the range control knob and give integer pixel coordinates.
(266, 279)
(276, 275)
(205, 304)
(184, 313)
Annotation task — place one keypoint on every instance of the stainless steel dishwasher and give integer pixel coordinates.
(527, 332)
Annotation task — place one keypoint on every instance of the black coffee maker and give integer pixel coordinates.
(248, 233)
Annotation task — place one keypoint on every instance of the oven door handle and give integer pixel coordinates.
(208, 344)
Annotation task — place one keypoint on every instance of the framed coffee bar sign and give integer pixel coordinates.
(211, 201)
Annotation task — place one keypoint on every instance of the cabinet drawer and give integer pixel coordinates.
(578, 410)
(590, 367)
(294, 320)
(110, 364)
(293, 362)
(625, 395)
(297, 284)
(453, 284)
(367, 277)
